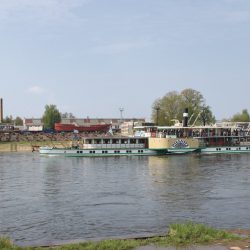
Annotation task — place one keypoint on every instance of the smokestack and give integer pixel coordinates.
(185, 117)
(1, 110)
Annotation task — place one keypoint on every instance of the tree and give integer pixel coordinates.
(194, 101)
(243, 117)
(67, 115)
(18, 121)
(206, 116)
(166, 109)
(171, 107)
(51, 116)
(8, 119)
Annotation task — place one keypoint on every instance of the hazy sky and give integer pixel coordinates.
(91, 57)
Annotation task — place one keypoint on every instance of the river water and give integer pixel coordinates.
(47, 200)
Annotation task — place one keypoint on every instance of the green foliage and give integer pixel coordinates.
(8, 119)
(67, 115)
(206, 116)
(109, 245)
(171, 106)
(179, 234)
(18, 121)
(190, 233)
(5, 243)
(51, 116)
(241, 117)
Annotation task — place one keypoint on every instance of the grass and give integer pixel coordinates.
(178, 234)
(196, 233)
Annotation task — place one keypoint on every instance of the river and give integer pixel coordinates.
(46, 200)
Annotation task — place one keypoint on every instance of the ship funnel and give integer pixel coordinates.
(185, 117)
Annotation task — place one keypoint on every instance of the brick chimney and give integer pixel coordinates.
(1, 110)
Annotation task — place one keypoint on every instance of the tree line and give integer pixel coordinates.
(169, 108)
(165, 111)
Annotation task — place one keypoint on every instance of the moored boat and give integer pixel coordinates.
(224, 138)
(216, 139)
(106, 146)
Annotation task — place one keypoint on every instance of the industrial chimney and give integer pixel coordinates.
(185, 117)
(1, 110)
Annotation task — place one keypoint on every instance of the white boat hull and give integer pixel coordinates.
(181, 150)
(96, 152)
(223, 150)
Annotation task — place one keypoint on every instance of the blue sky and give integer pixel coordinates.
(91, 57)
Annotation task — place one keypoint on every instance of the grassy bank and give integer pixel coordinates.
(178, 234)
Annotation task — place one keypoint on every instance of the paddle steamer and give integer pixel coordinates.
(107, 146)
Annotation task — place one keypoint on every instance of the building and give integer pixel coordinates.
(36, 124)
(127, 127)
(33, 124)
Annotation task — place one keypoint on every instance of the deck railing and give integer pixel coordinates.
(103, 146)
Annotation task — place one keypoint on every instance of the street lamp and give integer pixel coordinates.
(157, 114)
(121, 110)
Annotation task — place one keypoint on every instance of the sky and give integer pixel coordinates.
(92, 57)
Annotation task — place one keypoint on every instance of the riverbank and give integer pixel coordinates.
(28, 142)
(30, 146)
(179, 236)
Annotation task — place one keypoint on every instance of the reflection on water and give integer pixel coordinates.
(48, 199)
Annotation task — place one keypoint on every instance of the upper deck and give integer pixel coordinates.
(218, 134)
(114, 142)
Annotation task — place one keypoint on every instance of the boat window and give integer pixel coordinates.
(141, 141)
(106, 141)
(97, 141)
(132, 141)
(124, 141)
(115, 141)
(80, 152)
(77, 152)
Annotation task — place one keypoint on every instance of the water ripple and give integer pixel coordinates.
(53, 199)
